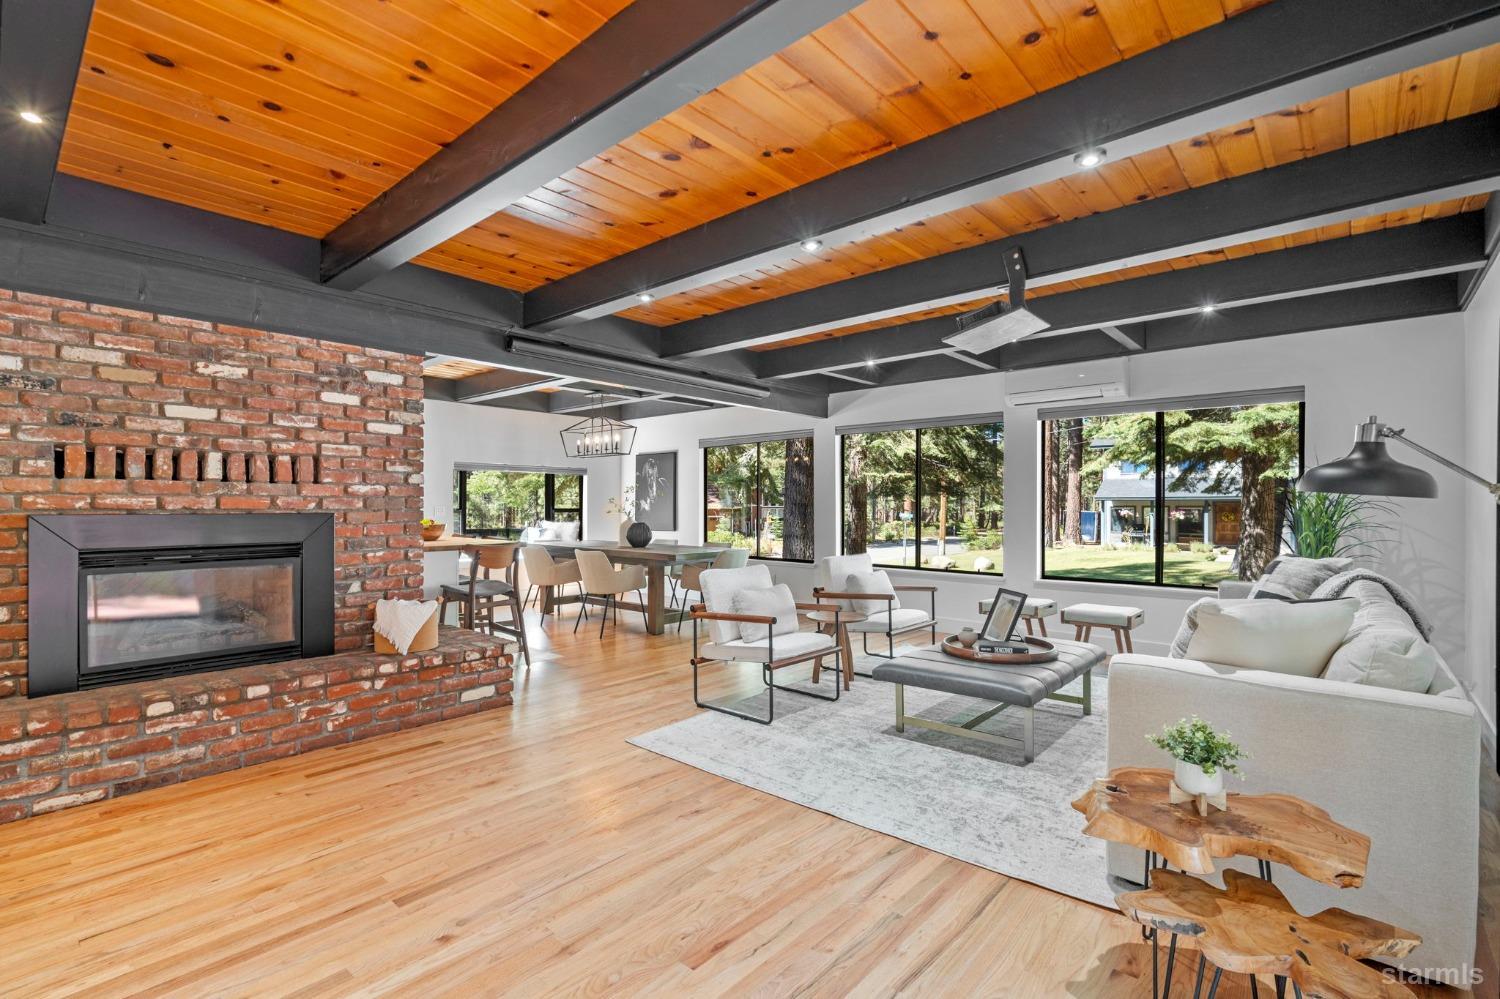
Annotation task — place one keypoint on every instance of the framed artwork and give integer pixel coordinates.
(656, 490)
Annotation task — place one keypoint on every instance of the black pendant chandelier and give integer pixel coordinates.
(599, 435)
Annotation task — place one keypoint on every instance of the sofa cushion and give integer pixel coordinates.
(874, 581)
(772, 601)
(1377, 611)
(1270, 635)
(1396, 660)
(1295, 577)
(901, 619)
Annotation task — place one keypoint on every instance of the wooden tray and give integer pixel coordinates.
(1045, 653)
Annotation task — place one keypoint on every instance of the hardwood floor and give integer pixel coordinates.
(531, 851)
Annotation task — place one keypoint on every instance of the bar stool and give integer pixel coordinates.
(479, 595)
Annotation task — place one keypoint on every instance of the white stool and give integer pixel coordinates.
(1120, 620)
(1037, 609)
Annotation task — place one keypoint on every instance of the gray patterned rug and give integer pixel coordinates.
(967, 799)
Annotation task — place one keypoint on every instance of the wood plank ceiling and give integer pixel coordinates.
(889, 73)
(282, 113)
(277, 112)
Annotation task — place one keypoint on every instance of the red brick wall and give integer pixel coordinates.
(111, 410)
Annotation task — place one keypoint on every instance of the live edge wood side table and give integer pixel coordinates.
(1250, 927)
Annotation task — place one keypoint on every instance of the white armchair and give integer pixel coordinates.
(727, 644)
(829, 579)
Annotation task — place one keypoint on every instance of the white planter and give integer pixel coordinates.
(1191, 778)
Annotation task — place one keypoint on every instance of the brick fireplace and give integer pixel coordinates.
(109, 410)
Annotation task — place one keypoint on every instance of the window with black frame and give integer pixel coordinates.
(502, 503)
(925, 497)
(758, 495)
(1213, 513)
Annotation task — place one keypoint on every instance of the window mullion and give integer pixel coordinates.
(1161, 496)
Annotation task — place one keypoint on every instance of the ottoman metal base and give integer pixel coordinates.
(968, 730)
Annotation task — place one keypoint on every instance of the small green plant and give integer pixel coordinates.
(1333, 525)
(1193, 740)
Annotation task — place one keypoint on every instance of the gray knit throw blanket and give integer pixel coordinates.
(1338, 585)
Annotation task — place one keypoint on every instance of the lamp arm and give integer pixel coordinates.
(1492, 488)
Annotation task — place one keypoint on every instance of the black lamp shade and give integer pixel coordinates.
(1370, 471)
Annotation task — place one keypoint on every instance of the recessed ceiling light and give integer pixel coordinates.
(646, 296)
(1089, 158)
(812, 245)
(1205, 309)
(31, 117)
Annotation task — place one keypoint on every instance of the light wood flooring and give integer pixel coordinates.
(531, 851)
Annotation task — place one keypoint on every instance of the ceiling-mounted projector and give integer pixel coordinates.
(999, 323)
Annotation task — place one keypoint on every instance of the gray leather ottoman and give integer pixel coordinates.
(1022, 687)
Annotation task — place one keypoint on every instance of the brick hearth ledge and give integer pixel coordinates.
(72, 749)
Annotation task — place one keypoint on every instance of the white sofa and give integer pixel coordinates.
(551, 530)
(1401, 767)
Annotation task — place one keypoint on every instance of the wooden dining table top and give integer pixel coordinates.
(661, 551)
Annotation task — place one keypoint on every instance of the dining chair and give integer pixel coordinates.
(692, 573)
(602, 578)
(542, 571)
(479, 595)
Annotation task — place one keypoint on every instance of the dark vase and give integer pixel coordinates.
(639, 535)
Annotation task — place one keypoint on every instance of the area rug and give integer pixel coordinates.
(967, 799)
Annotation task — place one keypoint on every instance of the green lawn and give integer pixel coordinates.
(1135, 565)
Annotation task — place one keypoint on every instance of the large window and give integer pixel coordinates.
(495, 503)
(928, 497)
(1214, 513)
(758, 495)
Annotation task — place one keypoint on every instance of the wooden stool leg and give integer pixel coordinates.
(1129, 645)
(1088, 632)
(1077, 632)
(1041, 623)
(1028, 625)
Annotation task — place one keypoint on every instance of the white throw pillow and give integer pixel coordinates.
(773, 601)
(1396, 660)
(875, 581)
(544, 533)
(1271, 635)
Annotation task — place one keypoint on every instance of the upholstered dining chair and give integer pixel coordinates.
(542, 570)
(830, 580)
(479, 595)
(729, 642)
(729, 558)
(602, 578)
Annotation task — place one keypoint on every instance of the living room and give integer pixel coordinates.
(796, 497)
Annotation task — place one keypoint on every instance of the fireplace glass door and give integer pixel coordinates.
(202, 615)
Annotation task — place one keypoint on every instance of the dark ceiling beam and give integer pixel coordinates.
(1427, 296)
(1450, 160)
(49, 260)
(499, 384)
(41, 45)
(642, 64)
(1442, 246)
(1265, 60)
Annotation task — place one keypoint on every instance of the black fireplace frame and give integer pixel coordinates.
(59, 543)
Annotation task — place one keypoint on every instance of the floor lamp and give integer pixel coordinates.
(1369, 470)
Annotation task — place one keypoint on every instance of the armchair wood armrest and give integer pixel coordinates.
(704, 615)
(830, 595)
(916, 586)
(819, 607)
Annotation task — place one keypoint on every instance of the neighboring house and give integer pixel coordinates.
(1126, 502)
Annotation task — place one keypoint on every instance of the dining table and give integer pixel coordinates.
(657, 557)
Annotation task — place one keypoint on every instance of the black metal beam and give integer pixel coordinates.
(1425, 296)
(1449, 245)
(41, 45)
(1263, 61)
(640, 65)
(1454, 159)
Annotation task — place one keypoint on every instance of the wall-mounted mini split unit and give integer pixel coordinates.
(1088, 381)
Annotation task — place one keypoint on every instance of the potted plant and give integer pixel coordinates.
(1333, 525)
(432, 529)
(1202, 754)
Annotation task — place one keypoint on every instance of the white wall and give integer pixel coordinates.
(1411, 373)
(454, 433)
(1482, 370)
